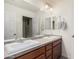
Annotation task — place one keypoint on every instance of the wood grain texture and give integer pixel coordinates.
(49, 51)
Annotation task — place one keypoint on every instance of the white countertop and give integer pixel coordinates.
(42, 41)
(45, 40)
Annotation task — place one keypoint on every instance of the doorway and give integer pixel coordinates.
(27, 27)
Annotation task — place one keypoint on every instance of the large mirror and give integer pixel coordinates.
(24, 18)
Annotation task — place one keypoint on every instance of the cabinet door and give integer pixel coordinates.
(57, 49)
(55, 53)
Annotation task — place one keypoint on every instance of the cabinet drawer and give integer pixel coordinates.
(49, 46)
(32, 54)
(41, 57)
(48, 53)
(56, 42)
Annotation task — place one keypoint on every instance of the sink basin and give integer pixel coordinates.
(15, 47)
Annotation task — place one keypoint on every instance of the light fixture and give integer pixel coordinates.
(51, 9)
(46, 6)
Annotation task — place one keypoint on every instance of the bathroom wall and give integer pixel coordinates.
(13, 20)
(64, 9)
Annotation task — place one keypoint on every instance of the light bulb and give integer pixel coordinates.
(51, 9)
(46, 6)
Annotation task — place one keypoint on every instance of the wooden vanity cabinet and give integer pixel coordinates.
(57, 49)
(35, 54)
(41, 57)
(49, 51)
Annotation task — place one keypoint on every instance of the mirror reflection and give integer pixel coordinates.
(24, 19)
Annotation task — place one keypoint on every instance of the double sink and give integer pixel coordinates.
(21, 45)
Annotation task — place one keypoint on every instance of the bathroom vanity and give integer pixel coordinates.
(48, 48)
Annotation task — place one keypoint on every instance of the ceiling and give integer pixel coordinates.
(33, 5)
